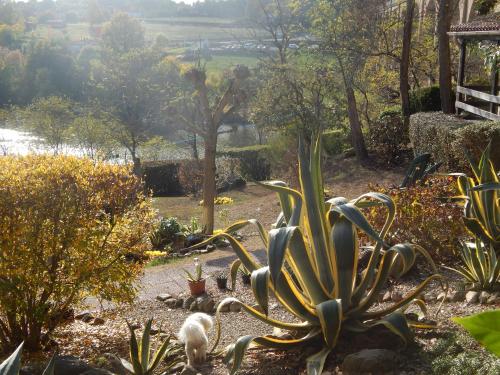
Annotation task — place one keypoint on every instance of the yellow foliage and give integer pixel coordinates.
(67, 227)
(218, 201)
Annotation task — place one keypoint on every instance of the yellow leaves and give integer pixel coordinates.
(220, 201)
(66, 225)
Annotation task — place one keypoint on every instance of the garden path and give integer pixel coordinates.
(170, 278)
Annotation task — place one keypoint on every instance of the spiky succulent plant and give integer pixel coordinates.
(312, 268)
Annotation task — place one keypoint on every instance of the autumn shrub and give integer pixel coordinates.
(425, 215)
(66, 228)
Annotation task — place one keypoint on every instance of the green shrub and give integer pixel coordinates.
(389, 138)
(335, 141)
(425, 216)
(447, 137)
(162, 178)
(165, 232)
(254, 161)
(426, 99)
(66, 228)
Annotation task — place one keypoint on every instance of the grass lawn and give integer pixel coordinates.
(223, 62)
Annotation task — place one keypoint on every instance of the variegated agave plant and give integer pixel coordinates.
(480, 194)
(312, 257)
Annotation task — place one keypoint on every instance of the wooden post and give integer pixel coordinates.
(461, 70)
(494, 84)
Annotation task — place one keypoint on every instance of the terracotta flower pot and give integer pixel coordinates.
(197, 287)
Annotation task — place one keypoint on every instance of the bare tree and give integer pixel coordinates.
(443, 26)
(213, 115)
(404, 63)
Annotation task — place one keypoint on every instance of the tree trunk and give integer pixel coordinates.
(444, 23)
(209, 187)
(404, 64)
(137, 168)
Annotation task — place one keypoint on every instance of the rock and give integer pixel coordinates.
(154, 331)
(396, 296)
(69, 365)
(205, 303)
(171, 303)
(85, 316)
(210, 248)
(96, 371)
(370, 361)
(472, 297)
(194, 306)
(235, 307)
(209, 306)
(457, 296)
(187, 302)
(386, 297)
(494, 299)
(163, 297)
(98, 321)
(282, 334)
(483, 297)
(179, 302)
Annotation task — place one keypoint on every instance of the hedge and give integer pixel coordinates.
(254, 161)
(426, 99)
(162, 178)
(335, 142)
(448, 138)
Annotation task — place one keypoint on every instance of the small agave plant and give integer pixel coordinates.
(312, 264)
(12, 365)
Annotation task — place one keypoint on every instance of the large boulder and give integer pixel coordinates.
(370, 361)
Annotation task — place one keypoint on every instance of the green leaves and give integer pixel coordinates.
(485, 328)
(140, 352)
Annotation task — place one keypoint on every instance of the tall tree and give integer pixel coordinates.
(123, 33)
(214, 109)
(337, 24)
(443, 26)
(404, 65)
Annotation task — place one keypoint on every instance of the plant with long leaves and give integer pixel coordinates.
(480, 194)
(312, 256)
(12, 365)
(481, 266)
(141, 362)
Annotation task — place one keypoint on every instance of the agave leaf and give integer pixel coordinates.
(330, 317)
(49, 370)
(259, 281)
(242, 224)
(290, 200)
(134, 352)
(355, 216)
(487, 186)
(159, 355)
(12, 365)
(145, 345)
(233, 272)
(316, 362)
(237, 352)
(344, 238)
(127, 365)
(485, 328)
(396, 323)
(316, 227)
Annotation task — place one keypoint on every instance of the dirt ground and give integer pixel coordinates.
(92, 342)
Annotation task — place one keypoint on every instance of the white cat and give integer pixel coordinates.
(193, 334)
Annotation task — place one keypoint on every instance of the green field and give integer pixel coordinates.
(179, 29)
(223, 62)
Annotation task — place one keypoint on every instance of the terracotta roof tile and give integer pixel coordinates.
(490, 22)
